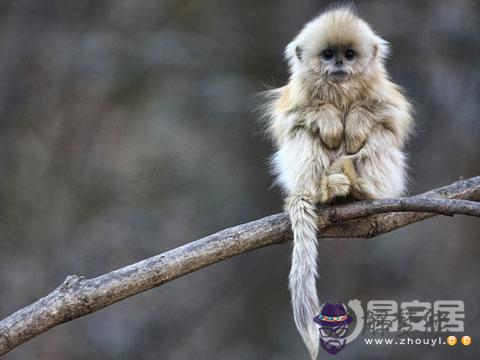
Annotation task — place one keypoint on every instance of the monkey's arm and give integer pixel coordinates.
(378, 170)
(282, 126)
(392, 111)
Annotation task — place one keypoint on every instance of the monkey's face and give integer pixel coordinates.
(339, 63)
(337, 47)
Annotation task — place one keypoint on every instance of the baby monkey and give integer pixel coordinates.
(339, 127)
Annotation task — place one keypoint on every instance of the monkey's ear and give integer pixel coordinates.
(381, 49)
(298, 52)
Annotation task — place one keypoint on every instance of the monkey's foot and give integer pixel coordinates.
(334, 185)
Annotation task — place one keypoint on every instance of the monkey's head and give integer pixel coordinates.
(336, 47)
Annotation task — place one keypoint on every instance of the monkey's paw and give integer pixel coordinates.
(326, 121)
(330, 126)
(331, 132)
(357, 127)
(354, 141)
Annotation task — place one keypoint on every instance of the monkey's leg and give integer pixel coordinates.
(325, 120)
(358, 124)
(300, 163)
(380, 167)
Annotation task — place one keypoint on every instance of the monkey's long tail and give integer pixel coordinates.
(303, 272)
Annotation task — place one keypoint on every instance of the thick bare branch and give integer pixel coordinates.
(79, 296)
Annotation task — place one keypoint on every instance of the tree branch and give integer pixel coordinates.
(79, 296)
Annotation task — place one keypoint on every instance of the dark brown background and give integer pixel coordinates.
(127, 128)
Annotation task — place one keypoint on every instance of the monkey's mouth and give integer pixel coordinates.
(339, 75)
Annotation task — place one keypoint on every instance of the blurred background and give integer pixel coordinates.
(127, 128)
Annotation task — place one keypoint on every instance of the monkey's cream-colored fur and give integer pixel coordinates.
(339, 126)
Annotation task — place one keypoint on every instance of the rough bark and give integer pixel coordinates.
(79, 296)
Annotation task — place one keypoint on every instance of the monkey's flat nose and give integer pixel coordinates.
(339, 63)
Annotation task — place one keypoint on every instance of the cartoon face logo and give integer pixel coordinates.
(333, 326)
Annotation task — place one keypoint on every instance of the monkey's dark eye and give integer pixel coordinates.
(349, 54)
(327, 54)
